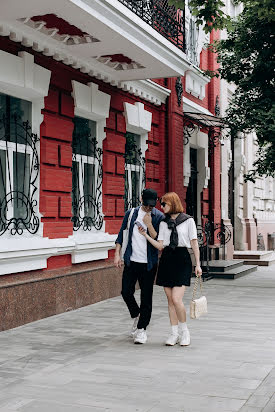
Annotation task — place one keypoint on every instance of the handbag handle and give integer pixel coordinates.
(198, 279)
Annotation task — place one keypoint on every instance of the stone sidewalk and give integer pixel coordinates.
(84, 361)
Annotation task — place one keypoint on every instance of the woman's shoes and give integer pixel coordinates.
(185, 338)
(172, 340)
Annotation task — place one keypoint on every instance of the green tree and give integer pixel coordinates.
(246, 59)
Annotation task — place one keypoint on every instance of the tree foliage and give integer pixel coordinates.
(246, 59)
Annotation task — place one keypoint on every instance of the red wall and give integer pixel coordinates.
(56, 151)
(164, 157)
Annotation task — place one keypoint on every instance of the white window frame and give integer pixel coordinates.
(84, 159)
(21, 78)
(92, 104)
(138, 121)
(12, 148)
(129, 168)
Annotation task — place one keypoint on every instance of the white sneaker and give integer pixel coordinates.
(141, 336)
(134, 327)
(185, 338)
(172, 340)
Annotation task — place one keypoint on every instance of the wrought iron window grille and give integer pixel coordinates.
(134, 172)
(209, 233)
(19, 169)
(87, 176)
(165, 19)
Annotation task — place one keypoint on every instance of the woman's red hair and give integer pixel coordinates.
(173, 200)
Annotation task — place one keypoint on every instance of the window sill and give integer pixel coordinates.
(91, 246)
(20, 254)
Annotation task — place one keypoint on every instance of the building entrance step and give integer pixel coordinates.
(228, 269)
(235, 272)
(256, 257)
(222, 265)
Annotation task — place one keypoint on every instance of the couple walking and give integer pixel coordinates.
(150, 231)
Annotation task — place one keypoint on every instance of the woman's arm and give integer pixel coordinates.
(148, 221)
(158, 244)
(196, 250)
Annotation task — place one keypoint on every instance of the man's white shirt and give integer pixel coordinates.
(139, 242)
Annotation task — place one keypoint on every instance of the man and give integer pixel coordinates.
(140, 260)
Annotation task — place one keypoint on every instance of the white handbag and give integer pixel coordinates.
(126, 235)
(198, 306)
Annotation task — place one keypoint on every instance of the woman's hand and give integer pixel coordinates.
(198, 270)
(142, 231)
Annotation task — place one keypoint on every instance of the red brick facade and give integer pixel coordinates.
(164, 157)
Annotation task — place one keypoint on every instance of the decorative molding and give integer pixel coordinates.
(21, 77)
(92, 246)
(52, 32)
(195, 84)
(17, 256)
(90, 102)
(117, 65)
(179, 90)
(146, 90)
(189, 106)
(138, 120)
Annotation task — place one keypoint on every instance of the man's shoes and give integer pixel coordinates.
(185, 338)
(134, 327)
(172, 340)
(140, 336)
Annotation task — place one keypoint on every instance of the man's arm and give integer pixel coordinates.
(117, 261)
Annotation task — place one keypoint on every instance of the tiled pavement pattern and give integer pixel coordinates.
(83, 360)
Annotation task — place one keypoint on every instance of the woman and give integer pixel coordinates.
(176, 233)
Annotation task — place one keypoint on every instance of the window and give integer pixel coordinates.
(86, 176)
(192, 42)
(134, 170)
(19, 167)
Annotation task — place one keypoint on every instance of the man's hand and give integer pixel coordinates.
(117, 261)
(147, 219)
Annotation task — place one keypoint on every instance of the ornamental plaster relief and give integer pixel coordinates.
(195, 84)
(139, 121)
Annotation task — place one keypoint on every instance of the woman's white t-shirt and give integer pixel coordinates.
(186, 232)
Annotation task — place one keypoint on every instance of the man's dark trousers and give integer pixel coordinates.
(138, 271)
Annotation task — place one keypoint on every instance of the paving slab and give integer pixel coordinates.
(84, 360)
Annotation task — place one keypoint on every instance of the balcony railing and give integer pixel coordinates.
(167, 20)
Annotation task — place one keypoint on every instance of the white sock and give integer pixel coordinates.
(183, 326)
(175, 330)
